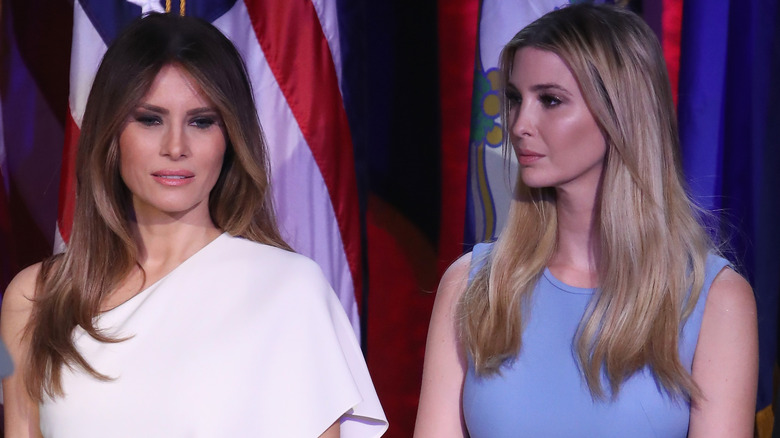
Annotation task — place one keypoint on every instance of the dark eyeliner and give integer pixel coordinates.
(204, 122)
(549, 100)
(147, 119)
(513, 97)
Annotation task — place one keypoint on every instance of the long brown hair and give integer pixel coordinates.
(101, 252)
(652, 245)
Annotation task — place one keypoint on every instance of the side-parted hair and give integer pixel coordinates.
(101, 252)
(652, 246)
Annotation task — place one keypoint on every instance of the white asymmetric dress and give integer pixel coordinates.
(241, 339)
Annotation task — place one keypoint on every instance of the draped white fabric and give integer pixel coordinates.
(241, 339)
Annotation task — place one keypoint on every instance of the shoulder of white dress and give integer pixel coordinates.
(240, 248)
(272, 265)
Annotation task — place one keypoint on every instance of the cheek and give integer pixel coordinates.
(594, 139)
(584, 136)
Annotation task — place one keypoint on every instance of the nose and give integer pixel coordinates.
(521, 121)
(175, 144)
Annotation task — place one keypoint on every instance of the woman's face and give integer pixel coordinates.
(171, 150)
(556, 139)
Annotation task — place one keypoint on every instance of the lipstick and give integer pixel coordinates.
(525, 158)
(173, 178)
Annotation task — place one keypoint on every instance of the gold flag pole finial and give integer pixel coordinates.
(182, 5)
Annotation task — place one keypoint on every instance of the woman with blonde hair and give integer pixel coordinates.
(604, 309)
(177, 308)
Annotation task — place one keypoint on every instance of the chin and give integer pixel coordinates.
(537, 183)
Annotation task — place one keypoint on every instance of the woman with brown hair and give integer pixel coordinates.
(178, 309)
(603, 310)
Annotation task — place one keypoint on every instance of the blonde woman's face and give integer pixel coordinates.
(171, 150)
(556, 139)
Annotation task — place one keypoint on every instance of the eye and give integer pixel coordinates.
(148, 119)
(203, 122)
(513, 98)
(549, 101)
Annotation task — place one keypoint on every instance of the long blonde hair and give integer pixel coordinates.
(652, 245)
(101, 252)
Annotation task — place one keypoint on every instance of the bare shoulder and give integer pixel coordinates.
(21, 291)
(725, 363)
(455, 279)
(444, 367)
(20, 411)
(17, 306)
(730, 296)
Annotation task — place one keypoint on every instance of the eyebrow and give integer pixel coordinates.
(510, 87)
(161, 110)
(549, 87)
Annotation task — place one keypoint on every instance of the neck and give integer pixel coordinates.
(164, 245)
(575, 260)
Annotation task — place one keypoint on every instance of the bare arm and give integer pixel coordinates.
(21, 413)
(725, 365)
(334, 431)
(439, 413)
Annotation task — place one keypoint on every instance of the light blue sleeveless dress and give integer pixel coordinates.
(542, 393)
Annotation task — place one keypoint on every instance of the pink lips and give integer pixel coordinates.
(525, 158)
(173, 178)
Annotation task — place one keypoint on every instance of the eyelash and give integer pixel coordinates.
(203, 122)
(513, 99)
(197, 122)
(549, 101)
(148, 120)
